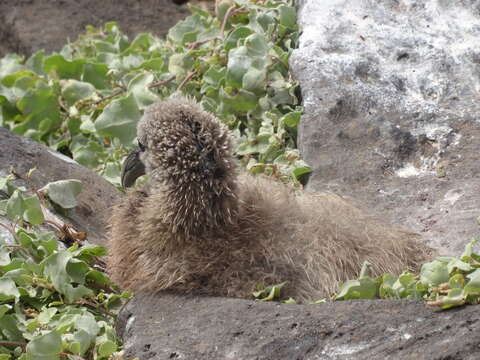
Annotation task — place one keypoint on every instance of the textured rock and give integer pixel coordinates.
(97, 196)
(178, 327)
(391, 92)
(29, 25)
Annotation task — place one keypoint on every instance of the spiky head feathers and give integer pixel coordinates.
(184, 143)
(188, 152)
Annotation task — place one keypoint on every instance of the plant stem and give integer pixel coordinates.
(162, 83)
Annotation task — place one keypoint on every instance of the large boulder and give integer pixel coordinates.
(178, 327)
(391, 92)
(20, 154)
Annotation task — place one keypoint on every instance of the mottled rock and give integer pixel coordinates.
(30, 25)
(179, 327)
(21, 154)
(391, 92)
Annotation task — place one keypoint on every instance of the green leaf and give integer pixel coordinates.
(15, 206)
(455, 297)
(186, 30)
(96, 74)
(254, 80)
(45, 347)
(74, 90)
(9, 327)
(56, 271)
(119, 119)
(87, 323)
(84, 341)
(138, 86)
(241, 102)
(64, 69)
(107, 348)
(64, 192)
(214, 75)
(37, 105)
(4, 256)
(434, 273)
(8, 290)
(291, 119)
(77, 270)
(234, 36)
(257, 45)
(89, 155)
(46, 315)
(364, 288)
(33, 211)
(457, 264)
(11, 79)
(239, 62)
(259, 145)
(35, 62)
(269, 293)
(301, 169)
(90, 250)
(288, 16)
(180, 64)
(473, 285)
(10, 64)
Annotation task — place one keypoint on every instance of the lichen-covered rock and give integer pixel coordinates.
(21, 154)
(391, 92)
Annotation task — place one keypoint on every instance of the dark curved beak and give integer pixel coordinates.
(132, 168)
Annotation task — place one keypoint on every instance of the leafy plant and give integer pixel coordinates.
(55, 302)
(444, 282)
(86, 100)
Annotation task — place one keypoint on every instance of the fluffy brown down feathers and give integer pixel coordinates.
(199, 227)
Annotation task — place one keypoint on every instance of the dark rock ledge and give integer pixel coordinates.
(169, 326)
(98, 195)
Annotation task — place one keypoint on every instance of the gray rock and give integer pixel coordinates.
(391, 92)
(30, 25)
(22, 154)
(179, 327)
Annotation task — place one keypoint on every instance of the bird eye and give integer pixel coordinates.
(141, 146)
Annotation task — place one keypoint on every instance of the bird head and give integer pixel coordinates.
(180, 143)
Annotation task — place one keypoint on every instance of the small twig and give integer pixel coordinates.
(162, 83)
(224, 22)
(62, 105)
(54, 224)
(13, 343)
(187, 78)
(194, 45)
(11, 231)
(66, 355)
(17, 240)
(97, 307)
(105, 288)
(230, 12)
(109, 97)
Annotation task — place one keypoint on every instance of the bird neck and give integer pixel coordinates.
(197, 208)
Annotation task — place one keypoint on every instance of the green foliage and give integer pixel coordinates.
(86, 100)
(269, 293)
(444, 282)
(55, 302)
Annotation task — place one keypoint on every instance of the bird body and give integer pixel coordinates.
(198, 226)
